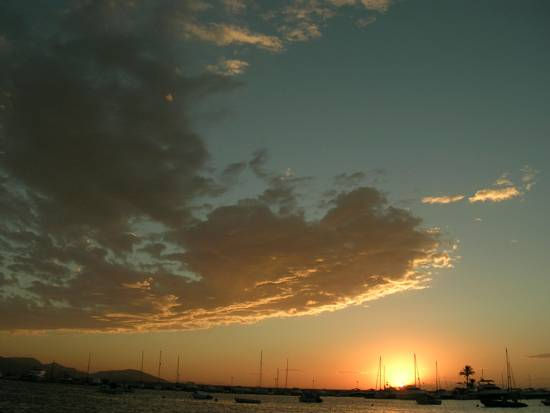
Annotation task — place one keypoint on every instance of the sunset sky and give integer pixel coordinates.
(328, 181)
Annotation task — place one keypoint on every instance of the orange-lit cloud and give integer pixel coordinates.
(296, 21)
(229, 67)
(377, 5)
(504, 180)
(447, 199)
(503, 189)
(301, 32)
(223, 34)
(250, 263)
(495, 194)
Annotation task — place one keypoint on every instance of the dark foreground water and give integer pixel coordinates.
(16, 397)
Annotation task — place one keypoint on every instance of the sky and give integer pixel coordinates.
(325, 181)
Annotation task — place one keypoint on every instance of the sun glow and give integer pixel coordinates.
(399, 377)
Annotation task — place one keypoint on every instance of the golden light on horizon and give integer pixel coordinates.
(398, 376)
(399, 380)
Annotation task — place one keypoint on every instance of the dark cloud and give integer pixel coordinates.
(95, 127)
(355, 179)
(349, 180)
(540, 356)
(231, 172)
(281, 188)
(154, 249)
(101, 175)
(258, 162)
(97, 124)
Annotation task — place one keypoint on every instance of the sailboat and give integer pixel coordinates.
(248, 400)
(427, 398)
(507, 400)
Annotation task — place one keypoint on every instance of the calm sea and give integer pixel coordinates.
(18, 397)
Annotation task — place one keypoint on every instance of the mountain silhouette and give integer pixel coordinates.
(19, 366)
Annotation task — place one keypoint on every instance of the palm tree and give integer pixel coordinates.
(467, 371)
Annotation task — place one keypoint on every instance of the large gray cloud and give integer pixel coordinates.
(96, 125)
(101, 172)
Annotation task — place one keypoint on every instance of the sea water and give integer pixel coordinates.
(17, 397)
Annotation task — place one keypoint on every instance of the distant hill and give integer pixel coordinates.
(127, 376)
(57, 371)
(18, 366)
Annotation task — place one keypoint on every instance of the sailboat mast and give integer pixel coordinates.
(88, 369)
(178, 371)
(141, 369)
(261, 366)
(160, 363)
(286, 374)
(509, 378)
(379, 374)
(415, 370)
(436, 378)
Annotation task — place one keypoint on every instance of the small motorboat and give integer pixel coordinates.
(310, 397)
(201, 395)
(426, 398)
(247, 400)
(502, 402)
(546, 402)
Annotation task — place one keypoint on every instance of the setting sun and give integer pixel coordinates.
(398, 376)
(399, 379)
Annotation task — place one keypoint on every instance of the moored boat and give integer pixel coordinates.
(201, 395)
(310, 397)
(546, 402)
(426, 398)
(247, 400)
(509, 399)
(502, 402)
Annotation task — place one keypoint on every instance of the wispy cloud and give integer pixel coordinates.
(504, 180)
(229, 67)
(235, 6)
(301, 32)
(294, 21)
(503, 189)
(365, 21)
(446, 199)
(225, 34)
(528, 177)
(540, 356)
(376, 5)
(495, 194)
